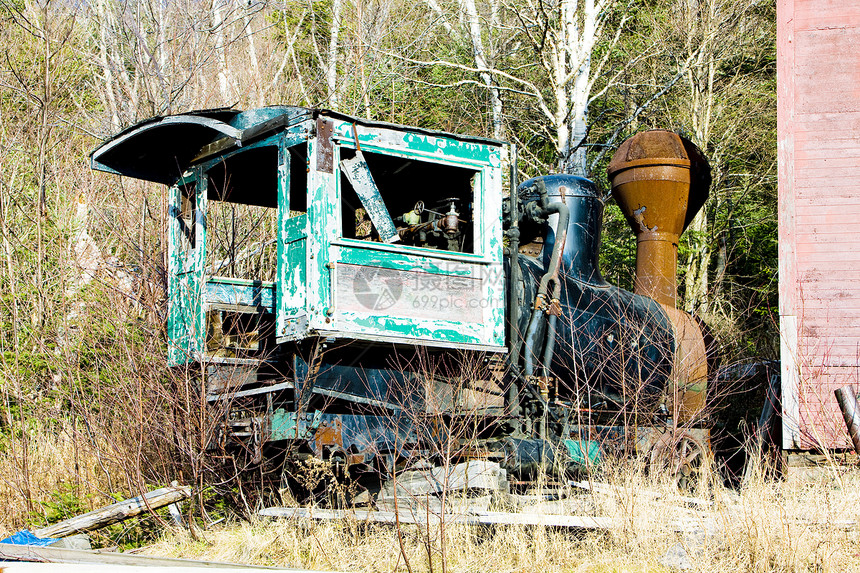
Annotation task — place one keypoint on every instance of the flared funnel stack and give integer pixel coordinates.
(660, 180)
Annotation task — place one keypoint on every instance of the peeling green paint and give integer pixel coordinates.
(584, 452)
(221, 290)
(186, 319)
(426, 329)
(381, 139)
(310, 249)
(407, 259)
(288, 426)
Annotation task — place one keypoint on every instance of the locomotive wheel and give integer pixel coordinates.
(681, 457)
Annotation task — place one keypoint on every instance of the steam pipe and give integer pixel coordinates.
(531, 335)
(850, 413)
(514, 336)
(549, 348)
(551, 275)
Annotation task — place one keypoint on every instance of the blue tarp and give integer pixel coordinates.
(27, 538)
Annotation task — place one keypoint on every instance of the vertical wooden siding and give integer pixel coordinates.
(818, 73)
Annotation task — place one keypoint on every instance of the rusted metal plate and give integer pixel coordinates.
(325, 156)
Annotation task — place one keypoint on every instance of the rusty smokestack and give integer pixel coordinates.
(660, 180)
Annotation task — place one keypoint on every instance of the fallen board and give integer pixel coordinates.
(115, 512)
(96, 568)
(53, 555)
(609, 489)
(422, 518)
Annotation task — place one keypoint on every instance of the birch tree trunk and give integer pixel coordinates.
(256, 76)
(470, 30)
(107, 69)
(479, 54)
(580, 37)
(359, 46)
(565, 37)
(221, 50)
(700, 77)
(162, 48)
(331, 63)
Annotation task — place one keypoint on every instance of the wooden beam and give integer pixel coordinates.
(30, 553)
(420, 517)
(608, 489)
(116, 512)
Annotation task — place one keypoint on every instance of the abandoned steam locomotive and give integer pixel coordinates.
(346, 288)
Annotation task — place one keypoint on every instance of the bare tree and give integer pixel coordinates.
(546, 59)
(471, 29)
(710, 33)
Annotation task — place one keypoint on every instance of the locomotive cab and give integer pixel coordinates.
(277, 231)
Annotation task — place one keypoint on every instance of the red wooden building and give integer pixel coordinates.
(818, 55)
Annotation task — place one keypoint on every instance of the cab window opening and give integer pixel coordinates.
(187, 216)
(431, 204)
(242, 213)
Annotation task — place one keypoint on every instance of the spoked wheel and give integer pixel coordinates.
(681, 457)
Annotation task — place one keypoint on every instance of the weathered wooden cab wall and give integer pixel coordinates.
(451, 295)
(271, 241)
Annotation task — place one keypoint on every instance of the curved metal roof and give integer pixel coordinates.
(161, 148)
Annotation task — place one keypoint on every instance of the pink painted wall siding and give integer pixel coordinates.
(818, 116)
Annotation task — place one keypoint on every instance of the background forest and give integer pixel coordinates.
(88, 407)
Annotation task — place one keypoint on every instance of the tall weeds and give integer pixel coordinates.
(792, 525)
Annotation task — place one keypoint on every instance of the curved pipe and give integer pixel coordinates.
(551, 276)
(549, 348)
(531, 335)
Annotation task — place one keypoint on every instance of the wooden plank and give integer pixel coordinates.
(359, 176)
(29, 567)
(833, 300)
(809, 242)
(833, 162)
(845, 257)
(608, 489)
(818, 270)
(788, 286)
(56, 555)
(421, 517)
(816, 225)
(115, 512)
(826, 15)
(212, 397)
(818, 282)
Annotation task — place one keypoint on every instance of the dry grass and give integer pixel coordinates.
(803, 523)
(791, 525)
(49, 473)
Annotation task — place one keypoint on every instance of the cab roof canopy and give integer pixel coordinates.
(162, 148)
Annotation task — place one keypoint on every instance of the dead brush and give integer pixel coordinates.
(767, 525)
(65, 475)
